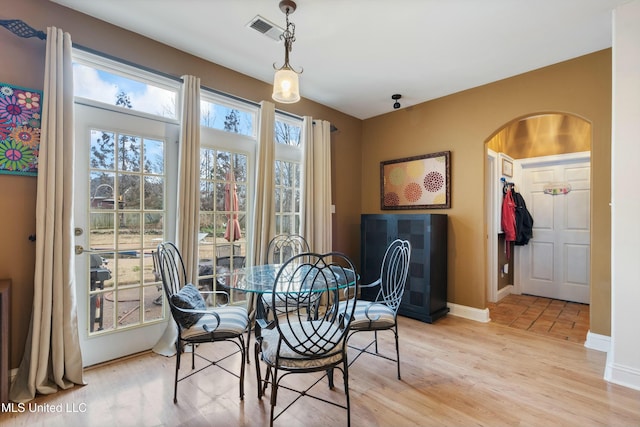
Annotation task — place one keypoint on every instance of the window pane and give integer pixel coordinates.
(153, 156)
(113, 89)
(129, 152)
(227, 118)
(102, 149)
(153, 193)
(207, 161)
(288, 132)
(206, 195)
(129, 191)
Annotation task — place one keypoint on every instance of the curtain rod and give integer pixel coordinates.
(21, 29)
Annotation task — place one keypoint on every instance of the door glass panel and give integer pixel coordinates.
(127, 194)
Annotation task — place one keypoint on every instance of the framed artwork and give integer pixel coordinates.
(507, 167)
(420, 182)
(20, 116)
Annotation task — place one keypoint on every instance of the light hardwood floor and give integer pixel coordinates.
(455, 372)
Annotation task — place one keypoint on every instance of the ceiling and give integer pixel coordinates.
(357, 53)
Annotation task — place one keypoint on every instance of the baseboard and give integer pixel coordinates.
(477, 314)
(598, 342)
(504, 292)
(622, 375)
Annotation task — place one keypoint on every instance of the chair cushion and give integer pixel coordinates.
(190, 298)
(379, 316)
(293, 360)
(233, 322)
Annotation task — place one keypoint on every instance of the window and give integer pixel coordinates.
(288, 174)
(100, 80)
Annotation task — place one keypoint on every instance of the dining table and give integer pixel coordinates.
(260, 281)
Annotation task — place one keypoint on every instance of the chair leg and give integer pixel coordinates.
(267, 375)
(330, 378)
(345, 375)
(175, 382)
(274, 395)
(395, 332)
(193, 356)
(249, 342)
(258, 373)
(375, 338)
(243, 354)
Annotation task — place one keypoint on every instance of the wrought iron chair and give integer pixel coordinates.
(281, 248)
(284, 246)
(310, 326)
(382, 313)
(223, 267)
(196, 323)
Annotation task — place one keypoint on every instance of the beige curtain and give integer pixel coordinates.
(52, 359)
(188, 196)
(189, 177)
(316, 223)
(264, 226)
(264, 217)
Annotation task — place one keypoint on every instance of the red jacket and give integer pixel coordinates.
(509, 217)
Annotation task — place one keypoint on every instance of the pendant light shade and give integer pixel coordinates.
(286, 89)
(285, 86)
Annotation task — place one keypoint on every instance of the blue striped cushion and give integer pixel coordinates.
(233, 321)
(379, 316)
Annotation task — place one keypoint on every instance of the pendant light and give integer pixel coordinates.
(286, 89)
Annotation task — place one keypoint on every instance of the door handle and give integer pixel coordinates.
(80, 250)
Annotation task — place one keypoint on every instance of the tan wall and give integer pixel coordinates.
(18, 194)
(462, 123)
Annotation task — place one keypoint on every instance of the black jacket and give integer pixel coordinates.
(524, 221)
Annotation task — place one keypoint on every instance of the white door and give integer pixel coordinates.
(555, 263)
(125, 186)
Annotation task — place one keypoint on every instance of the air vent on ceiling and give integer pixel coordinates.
(266, 27)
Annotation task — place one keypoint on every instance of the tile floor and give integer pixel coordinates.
(560, 319)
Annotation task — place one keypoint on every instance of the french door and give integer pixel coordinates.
(125, 198)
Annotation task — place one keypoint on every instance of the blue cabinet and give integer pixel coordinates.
(425, 296)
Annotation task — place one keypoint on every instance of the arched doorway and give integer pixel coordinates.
(548, 138)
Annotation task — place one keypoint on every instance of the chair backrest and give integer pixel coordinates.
(309, 315)
(225, 261)
(171, 266)
(227, 249)
(393, 273)
(284, 246)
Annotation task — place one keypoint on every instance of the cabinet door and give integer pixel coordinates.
(415, 301)
(376, 232)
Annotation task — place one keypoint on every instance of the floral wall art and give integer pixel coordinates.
(420, 182)
(20, 116)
